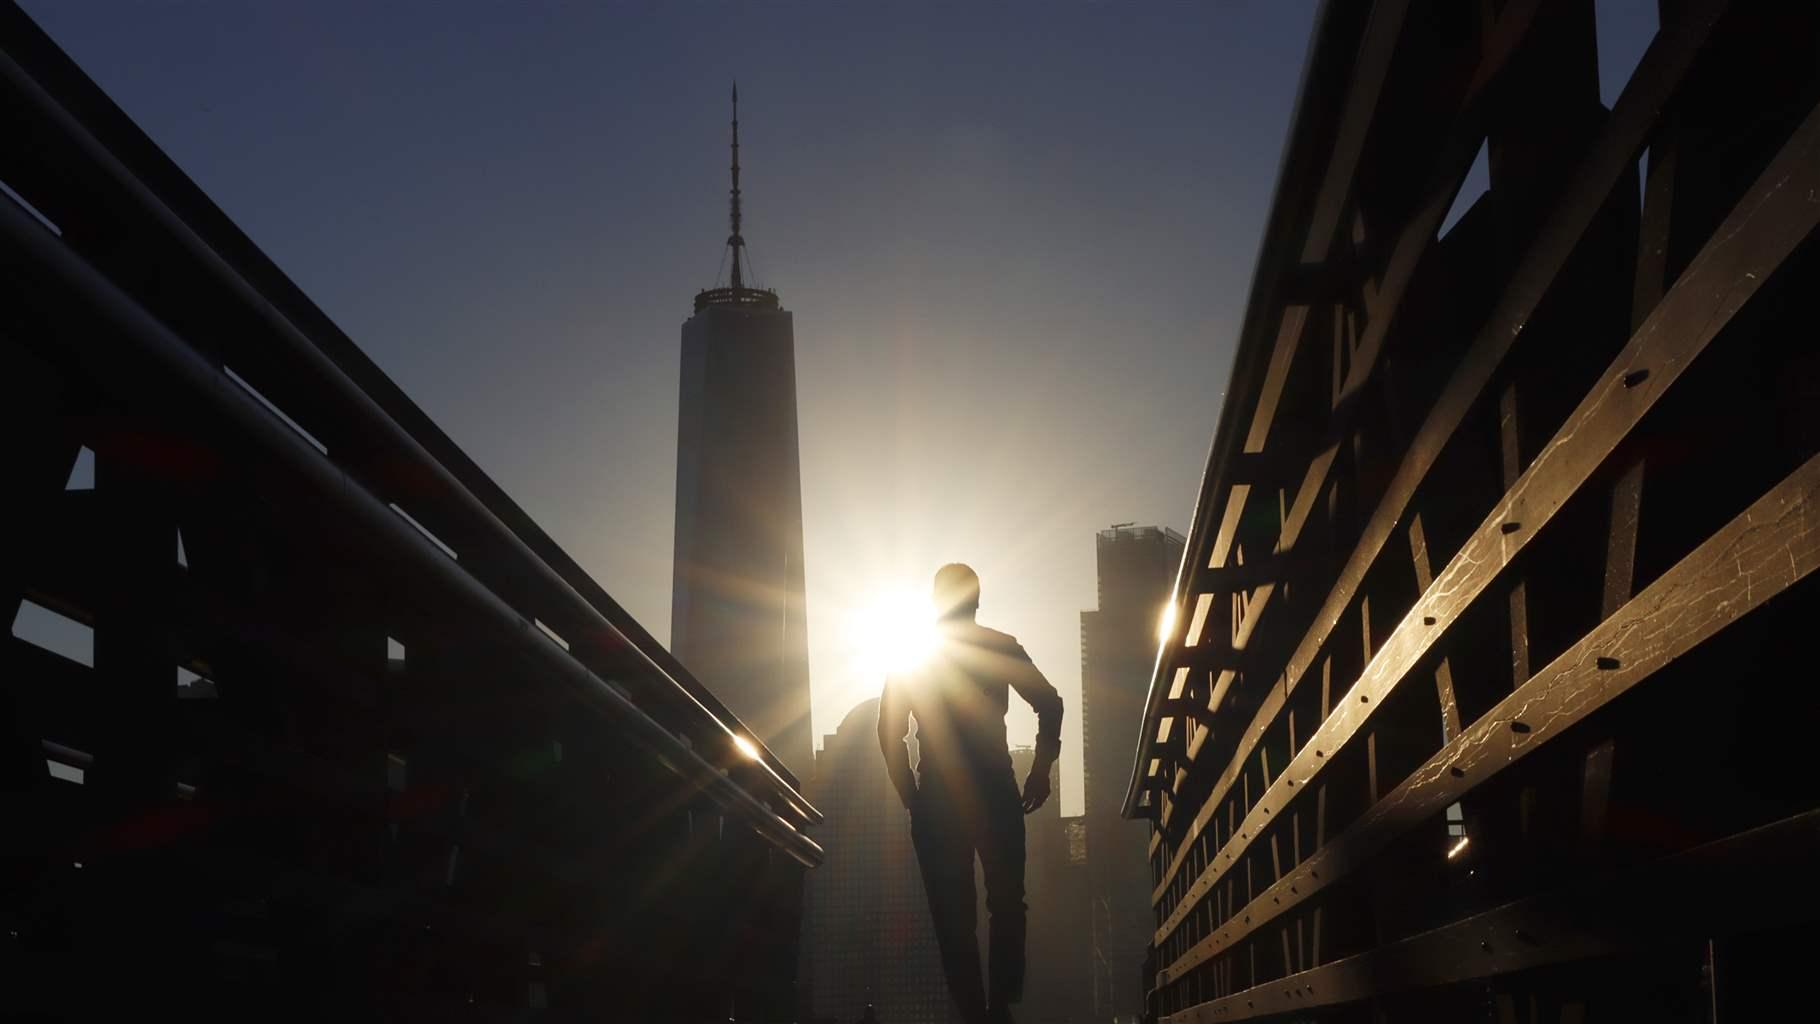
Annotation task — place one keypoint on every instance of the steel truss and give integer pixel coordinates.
(1478, 704)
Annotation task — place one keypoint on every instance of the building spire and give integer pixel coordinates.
(740, 291)
(734, 242)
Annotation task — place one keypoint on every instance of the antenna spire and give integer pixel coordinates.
(734, 241)
(740, 291)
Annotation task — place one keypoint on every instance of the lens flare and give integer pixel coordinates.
(1165, 626)
(893, 632)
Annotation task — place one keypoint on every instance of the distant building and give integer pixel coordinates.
(1056, 984)
(1137, 567)
(737, 611)
(869, 938)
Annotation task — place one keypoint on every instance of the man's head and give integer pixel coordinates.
(957, 592)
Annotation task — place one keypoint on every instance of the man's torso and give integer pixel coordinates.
(959, 698)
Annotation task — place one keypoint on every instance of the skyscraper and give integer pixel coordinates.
(1118, 648)
(869, 937)
(1056, 980)
(736, 612)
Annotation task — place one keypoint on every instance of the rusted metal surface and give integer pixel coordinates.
(350, 734)
(1414, 682)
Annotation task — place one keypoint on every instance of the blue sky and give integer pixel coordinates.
(1016, 238)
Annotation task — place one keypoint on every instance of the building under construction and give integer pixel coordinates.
(1488, 694)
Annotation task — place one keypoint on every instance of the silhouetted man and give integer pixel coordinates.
(963, 796)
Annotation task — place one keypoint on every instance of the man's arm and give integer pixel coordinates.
(893, 726)
(1042, 697)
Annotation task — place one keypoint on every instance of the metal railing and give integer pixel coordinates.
(751, 298)
(1489, 515)
(560, 762)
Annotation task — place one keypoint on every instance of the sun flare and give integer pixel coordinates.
(893, 632)
(1165, 625)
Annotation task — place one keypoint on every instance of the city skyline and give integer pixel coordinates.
(1136, 569)
(992, 268)
(405, 637)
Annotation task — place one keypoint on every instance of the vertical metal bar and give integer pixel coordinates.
(134, 666)
(1444, 688)
(1510, 464)
(1712, 978)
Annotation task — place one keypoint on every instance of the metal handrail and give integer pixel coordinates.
(331, 378)
(123, 321)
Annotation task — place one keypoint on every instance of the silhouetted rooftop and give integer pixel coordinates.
(751, 298)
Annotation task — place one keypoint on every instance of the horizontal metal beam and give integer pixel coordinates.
(162, 373)
(1412, 243)
(557, 582)
(1774, 216)
(1188, 708)
(1759, 554)
(1657, 77)
(1606, 915)
(1378, 45)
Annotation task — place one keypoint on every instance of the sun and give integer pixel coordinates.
(892, 632)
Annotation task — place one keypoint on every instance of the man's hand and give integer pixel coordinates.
(1036, 791)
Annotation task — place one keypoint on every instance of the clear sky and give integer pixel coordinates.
(1016, 238)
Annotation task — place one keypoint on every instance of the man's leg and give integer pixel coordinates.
(1002, 861)
(944, 851)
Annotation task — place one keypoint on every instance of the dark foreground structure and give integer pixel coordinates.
(1490, 693)
(356, 739)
